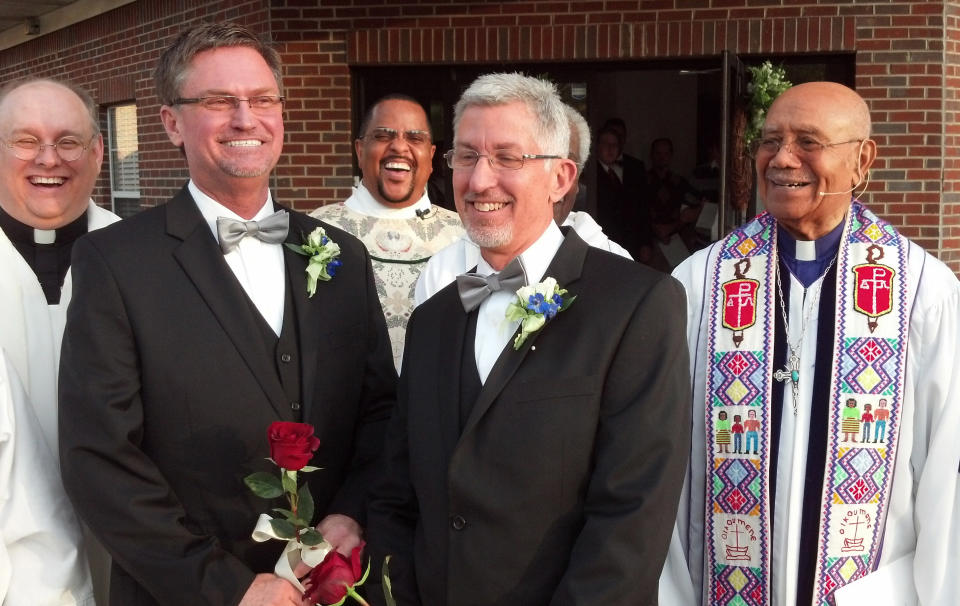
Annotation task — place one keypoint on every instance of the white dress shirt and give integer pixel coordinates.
(257, 265)
(494, 332)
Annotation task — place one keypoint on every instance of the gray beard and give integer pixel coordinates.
(490, 237)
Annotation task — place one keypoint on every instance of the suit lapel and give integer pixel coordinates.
(308, 320)
(566, 267)
(450, 352)
(201, 259)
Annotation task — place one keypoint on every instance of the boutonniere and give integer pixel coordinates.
(536, 305)
(323, 253)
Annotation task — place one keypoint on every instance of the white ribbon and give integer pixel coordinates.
(293, 553)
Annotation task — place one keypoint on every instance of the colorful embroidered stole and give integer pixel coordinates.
(867, 370)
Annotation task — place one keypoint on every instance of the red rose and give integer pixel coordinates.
(291, 444)
(328, 583)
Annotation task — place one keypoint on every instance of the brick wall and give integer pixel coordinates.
(950, 206)
(907, 67)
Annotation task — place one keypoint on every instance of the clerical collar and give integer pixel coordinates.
(23, 234)
(808, 259)
(363, 202)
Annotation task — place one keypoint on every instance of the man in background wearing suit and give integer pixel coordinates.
(620, 182)
(544, 471)
(180, 351)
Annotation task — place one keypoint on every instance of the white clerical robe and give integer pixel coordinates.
(920, 559)
(400, 241)
(41, 558)
(31, 330)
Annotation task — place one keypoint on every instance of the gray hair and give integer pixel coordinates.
(174, 63)
(579, 137)
(85, 97)
(551, 131)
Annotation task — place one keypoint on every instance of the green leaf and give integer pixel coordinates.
(264, 485)
(309, 468)
(305, 504)
(387, 584)
(289, 484)
(285, 512)
(297, 248)
(311, 537)
(283, 528)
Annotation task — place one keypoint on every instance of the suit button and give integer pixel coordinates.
(285, 357)
(295, 405)
(458, 523)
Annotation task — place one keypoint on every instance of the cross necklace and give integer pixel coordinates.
(791, 371)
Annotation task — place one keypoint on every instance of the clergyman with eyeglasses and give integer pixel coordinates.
(191, 331)
(800, 322)
(536, 452)
(390, 210)
(50, 155)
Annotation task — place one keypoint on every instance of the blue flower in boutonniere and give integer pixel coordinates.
(536, 305)
(323, 253)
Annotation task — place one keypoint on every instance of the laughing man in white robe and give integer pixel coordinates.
(43, 200)
(815, 149)
(390, 211)
(44, 206)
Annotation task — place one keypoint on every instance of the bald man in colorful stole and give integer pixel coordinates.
(814, 307)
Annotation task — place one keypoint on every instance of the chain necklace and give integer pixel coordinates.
(791, 371)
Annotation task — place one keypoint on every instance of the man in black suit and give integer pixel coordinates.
(180, 352)
(620, 181)
(545, 469)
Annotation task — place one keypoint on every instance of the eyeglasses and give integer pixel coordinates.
(68, 148)
(221, 103)
(806, 146)
(467, 158)
(382, 134)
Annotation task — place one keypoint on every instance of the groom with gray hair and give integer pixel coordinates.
(541, 483)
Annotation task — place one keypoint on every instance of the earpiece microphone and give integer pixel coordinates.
(837, 193)
(856, 185)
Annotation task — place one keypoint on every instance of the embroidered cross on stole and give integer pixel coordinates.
(866, 387)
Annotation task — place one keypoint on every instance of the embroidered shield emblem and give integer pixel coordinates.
(740, 303)
(873, 291)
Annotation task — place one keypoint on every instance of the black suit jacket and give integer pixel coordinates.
(167, 389)
(563, 487)
(621, 208)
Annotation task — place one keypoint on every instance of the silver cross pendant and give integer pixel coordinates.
(791, 373)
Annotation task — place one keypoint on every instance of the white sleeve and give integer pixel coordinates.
(41, 558)
(930, 574)
(936, 457)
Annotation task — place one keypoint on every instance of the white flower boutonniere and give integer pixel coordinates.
(536, 305)
(323, 253)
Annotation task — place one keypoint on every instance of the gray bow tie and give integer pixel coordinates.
(272, 230)
(474, 288)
